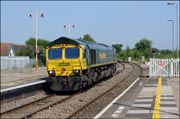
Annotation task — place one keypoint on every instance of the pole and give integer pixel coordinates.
(176, 26)
(173, 37)
(69, 30)
(177, 30)
(36, 40)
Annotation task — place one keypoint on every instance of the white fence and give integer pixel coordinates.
(164, 67)
(18, 62)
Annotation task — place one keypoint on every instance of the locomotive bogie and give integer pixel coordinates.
(60, 83)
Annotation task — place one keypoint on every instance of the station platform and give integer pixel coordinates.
(146, 98)
(14, 79)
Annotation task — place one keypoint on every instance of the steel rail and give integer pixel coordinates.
(19, 108)
(91, 102)
(32, 104)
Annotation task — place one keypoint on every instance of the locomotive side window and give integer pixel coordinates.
(55, 53)
(84, 53)
(71, 53)
(93, 56)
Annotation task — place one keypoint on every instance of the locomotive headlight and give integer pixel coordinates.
(77, 71)
(52, 72)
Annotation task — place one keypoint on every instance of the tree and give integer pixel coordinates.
(164, 54)
(136, 55)
(144, 47)
(87, 37)
(25, 51)
(118, 47)
(29, 50)
(128, 52)
(32, 42)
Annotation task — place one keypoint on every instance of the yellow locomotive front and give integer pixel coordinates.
(65, 63)
(64, 60)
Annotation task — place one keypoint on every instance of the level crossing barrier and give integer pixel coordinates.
(164, 67)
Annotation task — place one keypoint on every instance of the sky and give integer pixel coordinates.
(108, 22)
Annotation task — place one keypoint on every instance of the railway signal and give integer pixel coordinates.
(154, 50)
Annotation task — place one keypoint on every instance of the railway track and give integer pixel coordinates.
(89, 107)
(27, 110)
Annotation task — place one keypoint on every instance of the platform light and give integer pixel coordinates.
(172, 36)
(36, 49)
(173, 3)
(30, 15)
(69, 28)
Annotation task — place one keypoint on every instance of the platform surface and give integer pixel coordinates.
(139, 101)
(18, 77)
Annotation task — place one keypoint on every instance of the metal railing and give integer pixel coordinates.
(17, 62)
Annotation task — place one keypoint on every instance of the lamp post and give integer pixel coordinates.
(172, 36)
(69, 28)
(36, 49)
(172, 3)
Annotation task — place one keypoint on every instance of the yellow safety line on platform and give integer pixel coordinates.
(156, 114)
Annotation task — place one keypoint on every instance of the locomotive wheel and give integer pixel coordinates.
(85, 84)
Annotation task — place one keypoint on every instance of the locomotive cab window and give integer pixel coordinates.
(55, 53)
(72, 53)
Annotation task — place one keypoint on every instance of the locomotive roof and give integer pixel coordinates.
(91, 45)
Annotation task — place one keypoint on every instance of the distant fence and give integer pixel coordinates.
(164, 67)
(17, 62)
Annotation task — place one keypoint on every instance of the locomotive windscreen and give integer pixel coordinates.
(71, 53)
(55, 53)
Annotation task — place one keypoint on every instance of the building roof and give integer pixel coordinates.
(6, 47)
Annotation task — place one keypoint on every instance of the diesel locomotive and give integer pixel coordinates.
(73, 64)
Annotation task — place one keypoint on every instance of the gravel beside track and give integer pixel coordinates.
(66, 107)
(8, 105)
(25, 111)
(64, 110)
(91, 110)
(18, 102)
